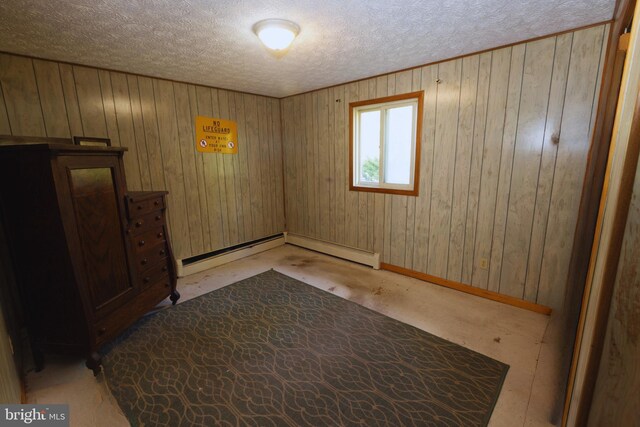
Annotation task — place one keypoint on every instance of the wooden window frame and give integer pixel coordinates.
(417, 96)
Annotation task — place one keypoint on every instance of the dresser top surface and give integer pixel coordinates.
(66, 145)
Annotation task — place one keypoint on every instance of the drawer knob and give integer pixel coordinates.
(160, 235)
(147, 279)
(162, 252)
(166, 285)
(156, 203)
(164, 268)
(141, 243)
(139, 207)
(139, 223)
(101, 331)
(158, 217)
(144, 261)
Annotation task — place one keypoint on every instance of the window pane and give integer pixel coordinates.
(399, 126)
(370, 146)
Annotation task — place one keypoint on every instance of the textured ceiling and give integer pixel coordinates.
(211, 42)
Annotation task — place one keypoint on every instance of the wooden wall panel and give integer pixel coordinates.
(126, 131)
(570, 163)
(51, 98)
(493, 134)
(527, 152)
(462, 168)
(214, 200)
(480, 121)
(504, 143)
(507, 153)
(444, 160)
(21, 96)
(5, 128)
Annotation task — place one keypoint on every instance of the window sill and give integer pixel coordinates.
(394, 191)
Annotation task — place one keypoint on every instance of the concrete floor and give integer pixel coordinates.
(508, 334)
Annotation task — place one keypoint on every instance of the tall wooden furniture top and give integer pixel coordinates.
(85, 268)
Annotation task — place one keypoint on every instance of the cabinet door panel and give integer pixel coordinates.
(95, 192)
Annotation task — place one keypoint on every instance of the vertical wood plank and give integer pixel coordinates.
(482, 96)
(150, 132)
(299, 151)
(126, 132)
(362, 208)
(309, 163)
(71, 99)
(172, 165)
(214, 170)
(372, 198)
(331, 146)
(278, 134)
(315, 161)
(219, 179)
(547, 163)
(342, 163)
(54, 110)
(90, 102)
(514, 104)
(186, 144)
(5, 128)
(324, 180)
(199, 166)
(288, 147)
(21, 96)
(139, 131)
(444, 159)
(388, 199)
(230, 167)
(423, 204)
(402, 84)
(570, 164)
(254, 161)
(109, 108)
(378, 225)
(233, 186)
(496, 107)
(210, 172)
(416, 77)
(267, 174)
(464, 150)
(245, 181)
(352, 197)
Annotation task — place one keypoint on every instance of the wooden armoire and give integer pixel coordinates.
(90, 258)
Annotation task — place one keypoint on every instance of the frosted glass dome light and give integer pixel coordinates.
(276, 34)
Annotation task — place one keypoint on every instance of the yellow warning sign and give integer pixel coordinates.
(216, 135)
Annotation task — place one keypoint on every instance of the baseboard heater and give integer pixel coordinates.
(352, 254)
(212, 259)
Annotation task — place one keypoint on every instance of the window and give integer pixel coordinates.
(385, 144)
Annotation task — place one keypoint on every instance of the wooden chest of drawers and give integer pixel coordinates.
(147, 232)
(90, 257)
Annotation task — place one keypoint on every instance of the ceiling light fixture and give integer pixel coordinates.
(276, 34)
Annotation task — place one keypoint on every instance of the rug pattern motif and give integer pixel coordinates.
(274, 351)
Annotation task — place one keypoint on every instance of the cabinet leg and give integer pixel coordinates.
(94, 362)
(174, 297)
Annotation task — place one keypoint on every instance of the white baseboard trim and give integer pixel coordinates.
(217, 260)
(352, 254)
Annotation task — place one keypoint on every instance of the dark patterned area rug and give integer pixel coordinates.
(274, 351)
